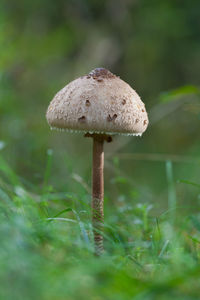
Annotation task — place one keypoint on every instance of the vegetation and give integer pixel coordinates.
(152, 188)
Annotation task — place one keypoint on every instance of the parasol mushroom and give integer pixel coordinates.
(100, 105)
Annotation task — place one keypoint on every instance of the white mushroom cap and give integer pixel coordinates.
(99, 102)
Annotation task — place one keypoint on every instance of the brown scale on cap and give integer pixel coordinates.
(123, 102)
(87, 103)
(111, 118)
(101, 72)
(82, 119)
(145, 122)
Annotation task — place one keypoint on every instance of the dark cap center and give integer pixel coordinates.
(101, 72)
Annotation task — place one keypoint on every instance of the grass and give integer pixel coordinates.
(47, 253)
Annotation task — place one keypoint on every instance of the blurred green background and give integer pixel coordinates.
(152, 45)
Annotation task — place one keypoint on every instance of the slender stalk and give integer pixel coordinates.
(98, 193)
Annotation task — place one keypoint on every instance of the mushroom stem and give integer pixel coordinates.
(98, 193)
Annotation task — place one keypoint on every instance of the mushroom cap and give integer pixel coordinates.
(99, 102)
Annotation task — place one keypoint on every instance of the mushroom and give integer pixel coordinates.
(100, 105)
